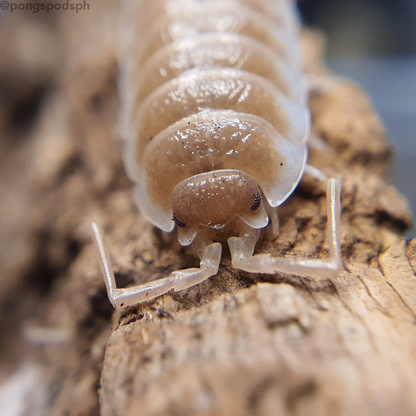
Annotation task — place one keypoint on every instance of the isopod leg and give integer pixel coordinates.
(242, 248)
(105, 261)
(178, 280)
(274, 219)
(315, 173)
(317, 143)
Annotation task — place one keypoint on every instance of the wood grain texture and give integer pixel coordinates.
(238, 344)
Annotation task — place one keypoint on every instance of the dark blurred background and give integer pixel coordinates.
(374, 43)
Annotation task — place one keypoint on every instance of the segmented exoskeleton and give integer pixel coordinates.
(215, 125)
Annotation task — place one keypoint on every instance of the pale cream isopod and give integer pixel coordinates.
(215, 128)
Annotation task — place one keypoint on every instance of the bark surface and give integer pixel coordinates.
(237, 344)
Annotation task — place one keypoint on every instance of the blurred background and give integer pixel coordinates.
(374, 43)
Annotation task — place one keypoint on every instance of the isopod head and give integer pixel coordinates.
(214, 199)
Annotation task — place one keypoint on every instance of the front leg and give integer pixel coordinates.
(242, 248)
(178, 280)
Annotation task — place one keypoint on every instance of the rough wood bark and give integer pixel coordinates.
(238, 344)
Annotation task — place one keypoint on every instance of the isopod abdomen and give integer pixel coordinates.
(215, 128)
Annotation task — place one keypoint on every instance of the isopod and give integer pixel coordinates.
(215, 127)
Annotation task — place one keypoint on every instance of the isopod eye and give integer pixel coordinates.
(178, 222)
(257, 202)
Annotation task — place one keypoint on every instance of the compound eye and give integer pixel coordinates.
(257, 202)
(178, 222)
